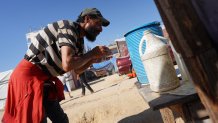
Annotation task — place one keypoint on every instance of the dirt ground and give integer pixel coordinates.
(116, 100)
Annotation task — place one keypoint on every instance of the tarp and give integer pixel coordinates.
(4, 77)
(105, 63)
(100, 65)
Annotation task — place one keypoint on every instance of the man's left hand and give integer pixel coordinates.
(99, 60)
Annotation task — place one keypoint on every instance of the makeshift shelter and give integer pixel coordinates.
(4, 78)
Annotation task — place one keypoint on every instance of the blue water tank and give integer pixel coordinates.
(133, 39)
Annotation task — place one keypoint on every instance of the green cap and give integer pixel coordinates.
(94, 11)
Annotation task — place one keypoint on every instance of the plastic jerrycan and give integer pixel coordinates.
(157, 62)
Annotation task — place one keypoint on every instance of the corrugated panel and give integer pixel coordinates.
(133, 39)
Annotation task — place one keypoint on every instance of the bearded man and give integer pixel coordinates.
(55, 50)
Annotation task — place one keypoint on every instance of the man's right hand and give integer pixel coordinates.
(101, 51)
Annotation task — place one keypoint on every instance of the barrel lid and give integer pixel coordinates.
(155, 23)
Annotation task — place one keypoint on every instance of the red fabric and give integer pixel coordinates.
(25, 90)
(59, 94)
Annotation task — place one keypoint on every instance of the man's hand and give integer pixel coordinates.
(79, 64)
(99, 60)
(100, 52)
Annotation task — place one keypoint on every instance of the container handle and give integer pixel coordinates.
(161, 38)
(141, 44)
(143, 39)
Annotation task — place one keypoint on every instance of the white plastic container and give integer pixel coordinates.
(181, 65)
(157, 62)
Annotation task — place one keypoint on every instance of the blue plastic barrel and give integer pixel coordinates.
(133, 39)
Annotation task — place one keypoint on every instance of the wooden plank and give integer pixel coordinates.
(197, 44)
(157, 101)
(174, 114)
(204, 72)
(207, 11)
(167, 115)
(197, 111)
(179, 114)
(169, 29)
(173, 28)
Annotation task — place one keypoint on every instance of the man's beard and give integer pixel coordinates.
(91, 34)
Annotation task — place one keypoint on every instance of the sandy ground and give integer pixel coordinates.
(116, 100)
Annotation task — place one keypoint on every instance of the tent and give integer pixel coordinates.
(4, 77)
(105, 63)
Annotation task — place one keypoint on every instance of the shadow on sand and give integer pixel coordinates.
(70, 100)
(147, 116)
(95, 81)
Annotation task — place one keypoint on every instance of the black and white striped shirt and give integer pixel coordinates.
(44, 50)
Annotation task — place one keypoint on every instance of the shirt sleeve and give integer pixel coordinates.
(62, 79)
(67, 38)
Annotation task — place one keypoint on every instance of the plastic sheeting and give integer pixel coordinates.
(4, 77)
(105, 63)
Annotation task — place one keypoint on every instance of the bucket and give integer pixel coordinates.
(158, 63)
(133, 39)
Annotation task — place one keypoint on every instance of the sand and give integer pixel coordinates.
(116, 100)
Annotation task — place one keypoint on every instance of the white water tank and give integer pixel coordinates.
(157, 62)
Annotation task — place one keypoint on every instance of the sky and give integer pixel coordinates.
(19, 17)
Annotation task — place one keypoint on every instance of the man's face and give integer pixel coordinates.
(93, 29)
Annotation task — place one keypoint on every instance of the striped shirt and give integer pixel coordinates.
(44, 50)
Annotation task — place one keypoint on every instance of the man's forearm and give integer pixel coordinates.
(81, 62)
(83, 68)
(72, 62)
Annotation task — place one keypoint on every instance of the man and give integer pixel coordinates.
(66, 79)
(83, 81)
(55, 50)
